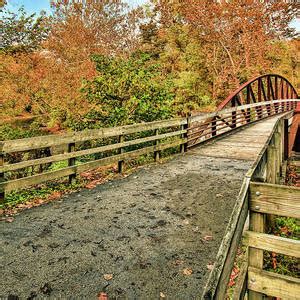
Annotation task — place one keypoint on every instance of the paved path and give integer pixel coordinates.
(156, 231)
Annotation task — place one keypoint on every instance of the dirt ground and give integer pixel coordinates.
(155, 233)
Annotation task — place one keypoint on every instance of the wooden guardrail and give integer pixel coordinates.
(267, 168)
(268, 199)
(156, 136)
(174, 129)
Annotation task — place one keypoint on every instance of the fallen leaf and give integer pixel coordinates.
(9, 220)
(186, 222)
(210, 266)
(102, 296)
(108, 276)
(162, 295)
(208, 238)
(178, 262)
(187, 271)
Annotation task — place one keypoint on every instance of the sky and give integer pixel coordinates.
(33, 6)
(37, 5)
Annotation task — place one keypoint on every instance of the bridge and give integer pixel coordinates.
(172, 228)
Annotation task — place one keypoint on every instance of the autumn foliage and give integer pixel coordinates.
(103, 63)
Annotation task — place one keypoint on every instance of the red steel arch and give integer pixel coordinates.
(258, 98)
(266, 87)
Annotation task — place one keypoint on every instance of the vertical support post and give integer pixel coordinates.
(281, 89)
(71, 162)
(121, 150)
(272, 167)
(2, 193)
(259, 89)
(286, 139)
(183, 136)
(269, 88)
(233, 114)
(276, 87)
(248, 114)
(256, 257)
(277, 157)
(259, 108)
(187, 126)
(214, 127)
(156, 153)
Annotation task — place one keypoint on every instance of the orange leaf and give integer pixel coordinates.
(102, 296)
(108, 276)
(187, 271)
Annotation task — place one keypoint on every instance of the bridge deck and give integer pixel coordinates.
(156, 231)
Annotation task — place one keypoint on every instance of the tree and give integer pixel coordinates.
(235, 35)
(21, 32)
(81, 28)
(128, 90)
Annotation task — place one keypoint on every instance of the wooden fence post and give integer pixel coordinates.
(286, 138)
(71, 162)
(121, 150)
(185, 135)
(156, 153)
(248, 115)
(256, 256)
(2, 195)
(214, 127)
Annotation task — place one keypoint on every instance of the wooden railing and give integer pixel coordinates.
(265, 200)
(250, 201)
(114, 145)
(116, 148)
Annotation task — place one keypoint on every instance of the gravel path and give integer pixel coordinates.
(156, 231)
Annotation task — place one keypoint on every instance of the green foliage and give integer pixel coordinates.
(21, 32)
(278, 263)
(41, 192)
(9, 132)
(128, 91)
(288, 227)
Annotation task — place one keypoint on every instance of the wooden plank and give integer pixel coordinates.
(273, 243)
(81, 136)
(121, 150)
(230, 257)
(39, 178)
(156, 153)
(65, 156)
(256, 257)
(275, 199)
(227, 247)
(273, 284)
(71, 162)
(1, 178)
(241, 284)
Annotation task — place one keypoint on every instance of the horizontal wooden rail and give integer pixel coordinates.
(272, 243)
(60, 157)
(273, 284)
(39, 178)
(162, 134)
(275, 199)
(85, 135)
